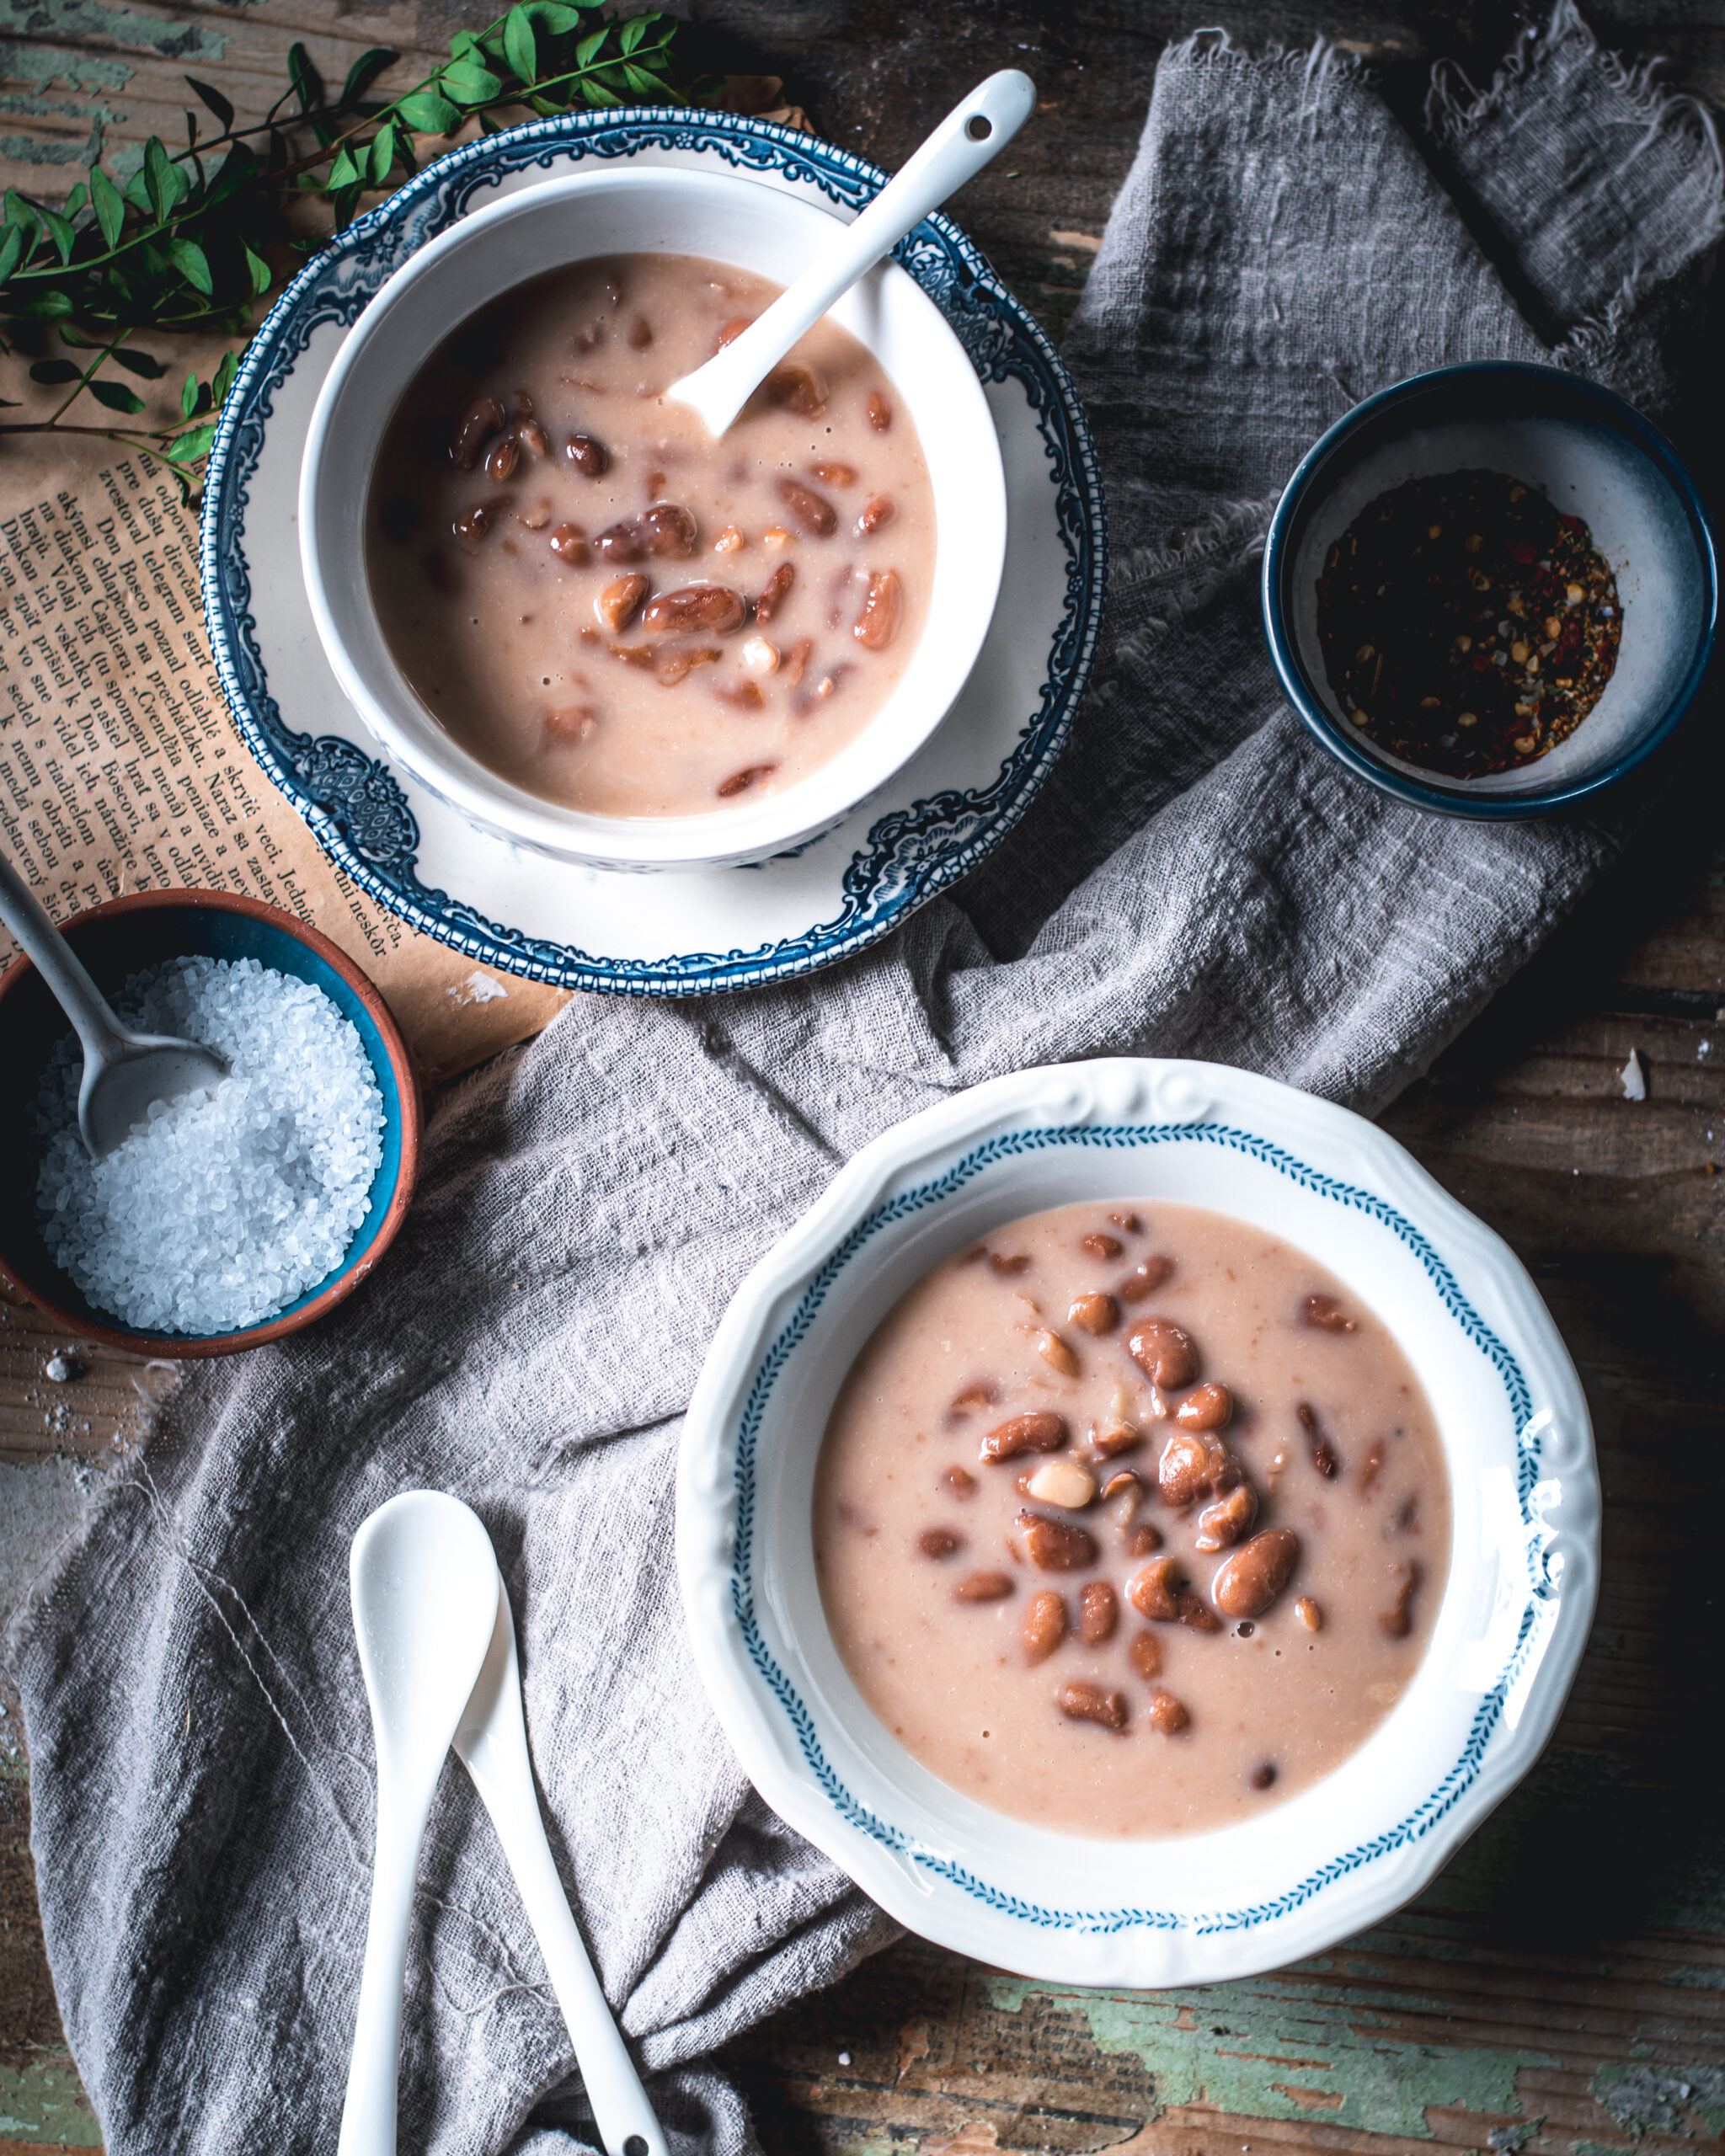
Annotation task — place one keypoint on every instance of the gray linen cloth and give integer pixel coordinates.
(1197, 879)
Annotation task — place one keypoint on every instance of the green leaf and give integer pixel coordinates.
(303, 75)
(430, 113)
(193, 443)
(520, 46)
(54, 371)
(364, 71)
(208, 95)
(188, 395)
(192, 262)
(76, 201)
(239, 168)
(137, 192)
(380, 156)
(596, 92)
(632, 32)
(117, 396)
(168, 184)
(553, 16)
(468, 83)
(110, 204)
(59, 230)
(259, 272)
(225, 375)
(138, 363)
(464, 45)
(588, 49)
(344, 171)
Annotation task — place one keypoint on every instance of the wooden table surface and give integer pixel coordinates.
(1562, 1986)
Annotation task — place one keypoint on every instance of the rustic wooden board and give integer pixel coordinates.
(1562, 1986)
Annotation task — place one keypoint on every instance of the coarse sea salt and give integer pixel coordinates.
(223, 1207)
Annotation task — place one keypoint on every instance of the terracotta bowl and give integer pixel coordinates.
(121, 938)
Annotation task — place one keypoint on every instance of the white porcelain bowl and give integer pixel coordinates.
(663, 211)
(1510, 1628)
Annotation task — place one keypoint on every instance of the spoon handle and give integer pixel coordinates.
(368, 2112)
(976, 129)
(58, 965)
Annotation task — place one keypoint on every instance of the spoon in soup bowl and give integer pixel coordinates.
(970, 136)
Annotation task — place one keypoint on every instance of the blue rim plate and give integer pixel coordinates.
(654, 935)
(1483, 388)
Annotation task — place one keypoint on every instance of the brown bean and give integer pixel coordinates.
(1115, 1438)
(675, 666)
(741, 696)
(1055, 1546)
(880, 413)
(536, 516)
(730, 331)
(740, 782)
(1307, 1611)
(668, 530)
(1128, 1223)
(1056, 1353)
(796, 387)
(473, 429)
(531, 436)
(834, 474)
(1373, 1464)
(622, 543)
(1145, 1656)
(473, 523)
(981, 1392)
(1183, 1473)
(574, 723)
(1040, 1431)
(1082, 1702)
(1098, 1613)
(877, 511)
(589, 457)
(817, 516)
(1398, 1621)
(1007, 1268)
(1249, 1581)
(616, 603)
(796, 660)
(1263, 1777)
(1095, 1314)
(1144, 1280)
(1101, 1246)
(1166, 1716)
(939, 1542)
(983, 1587)
(883, 609)
(959, 1481)
(1154, 1592)
(696, 608)
(502, 458)
(1224, 1523)
(640, 334)
(1044, 1624)
(568, 543)
(1323, 1453)
(777, 591)
(1206, 1407)
(1191, 1610)
(1144, 1541)
(1163, 1351)
(1327, 1314)
(634, 655)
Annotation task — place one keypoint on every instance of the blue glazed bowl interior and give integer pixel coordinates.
(114, 947)
(1593, 457)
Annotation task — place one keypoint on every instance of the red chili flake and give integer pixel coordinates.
(1522, 553)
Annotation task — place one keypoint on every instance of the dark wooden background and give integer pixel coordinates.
(1562, 1986)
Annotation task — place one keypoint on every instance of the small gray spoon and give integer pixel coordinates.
(125, 1073)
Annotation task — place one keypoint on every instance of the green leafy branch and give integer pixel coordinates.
(193, 239)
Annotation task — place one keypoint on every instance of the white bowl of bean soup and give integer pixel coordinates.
(592, 629)
(1137, 1524)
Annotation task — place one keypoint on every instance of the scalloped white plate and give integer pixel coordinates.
(665, 934)
(1510, 1629)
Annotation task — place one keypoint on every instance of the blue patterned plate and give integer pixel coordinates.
(1515, 1603)
(653, 935)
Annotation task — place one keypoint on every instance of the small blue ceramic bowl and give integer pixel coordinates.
(1595, 458)
(121, 938)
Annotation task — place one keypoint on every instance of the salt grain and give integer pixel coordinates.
(221, 1207)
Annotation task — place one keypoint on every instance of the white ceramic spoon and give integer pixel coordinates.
(976, 131)
(424, 1596)
(492, 1742)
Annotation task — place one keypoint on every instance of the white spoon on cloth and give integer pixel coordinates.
(975, 132)
(424, 1596)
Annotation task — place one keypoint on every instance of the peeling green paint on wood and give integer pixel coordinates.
(41, 66)
(1270, 2049)
(1671, 2099)
(42, 2101)
(90, 18)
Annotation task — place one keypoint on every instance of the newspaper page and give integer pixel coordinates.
(121, 768)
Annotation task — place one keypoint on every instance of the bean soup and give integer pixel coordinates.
(606, 606)
(1131, 1521)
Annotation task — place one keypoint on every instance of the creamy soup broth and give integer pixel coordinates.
(609, 608)
(1131, 1521)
